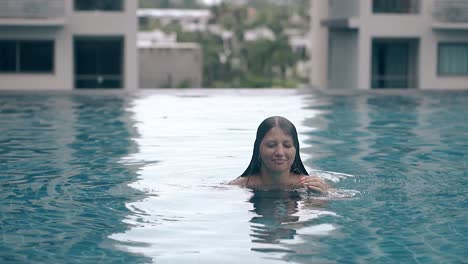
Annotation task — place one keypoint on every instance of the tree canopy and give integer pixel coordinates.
(236, 62)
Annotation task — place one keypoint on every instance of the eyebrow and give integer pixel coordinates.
(275, 141)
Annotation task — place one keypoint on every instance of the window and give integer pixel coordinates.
(8, 56)
(390, 63)
(453, 59)
(102, 5)
(98, 62)
(395, 6)
(26, 56)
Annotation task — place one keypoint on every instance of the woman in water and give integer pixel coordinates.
(276, 163)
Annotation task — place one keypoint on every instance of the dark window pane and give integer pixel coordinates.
(98, 83)
(36, 56)
(453, 59)
(389, 65)
(110, 57)
(84, 5)
(8, 56)
(103, 5)
(86, 54)
(84, 83)
(112, 83)
(98, 62)
(396, 6)
(114, 5)
(98, 57)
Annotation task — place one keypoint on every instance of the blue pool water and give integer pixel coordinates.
(140, 178)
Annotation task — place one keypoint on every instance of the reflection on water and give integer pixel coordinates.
(203, 139)
(281, 217)
(103, 132)
(61, 186)
(409, 154)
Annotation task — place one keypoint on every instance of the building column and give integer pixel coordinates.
(319, 47)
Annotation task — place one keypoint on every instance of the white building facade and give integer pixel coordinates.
(372, 44)
(170, 65)
(68, 44)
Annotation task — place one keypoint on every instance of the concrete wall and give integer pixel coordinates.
(76, 24)
(319, 47)
(173, 66)
(343, 56)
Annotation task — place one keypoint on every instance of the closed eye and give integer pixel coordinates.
(271, 145)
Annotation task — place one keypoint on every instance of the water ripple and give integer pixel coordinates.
(140, 178)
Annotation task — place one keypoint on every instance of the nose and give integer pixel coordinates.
(279, 151)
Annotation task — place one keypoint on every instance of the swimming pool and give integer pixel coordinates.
(140, 178)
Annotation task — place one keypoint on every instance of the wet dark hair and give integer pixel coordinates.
(289, 129)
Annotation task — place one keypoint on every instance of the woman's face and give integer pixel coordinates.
(277, 151)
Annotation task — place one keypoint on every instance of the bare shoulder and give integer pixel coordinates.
(240, 181)
(248, 181)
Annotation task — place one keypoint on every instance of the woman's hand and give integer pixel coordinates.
(315, 184)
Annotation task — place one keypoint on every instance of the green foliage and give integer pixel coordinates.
(147, 24)
(171, 27)
(263, 56)
(184, 84)
(262, 63)
(252, 80)
(274, 17)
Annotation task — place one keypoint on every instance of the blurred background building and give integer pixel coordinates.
(164, 62)
(350, 44)
(252, 44)
(369, 44)
(170, 65)
(74, 44)
(68, 44)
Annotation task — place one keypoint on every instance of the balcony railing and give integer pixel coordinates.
(451, 11)
(32, 9)
(343, 8)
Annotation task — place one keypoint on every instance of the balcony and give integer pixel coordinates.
(342, 14)
(32, 12)
(450, 15)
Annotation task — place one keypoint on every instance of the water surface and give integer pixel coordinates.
(140, 178)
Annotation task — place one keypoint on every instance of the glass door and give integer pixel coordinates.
(98, 62)
(394, 63)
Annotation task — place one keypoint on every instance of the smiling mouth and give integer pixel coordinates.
(279, 161)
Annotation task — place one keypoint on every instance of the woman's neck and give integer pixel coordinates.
(274, 178)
